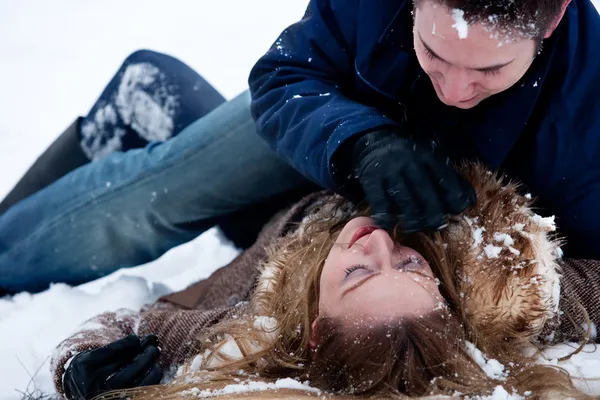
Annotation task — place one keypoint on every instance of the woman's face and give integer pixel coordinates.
(367, 277)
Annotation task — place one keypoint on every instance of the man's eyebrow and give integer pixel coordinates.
(482, 69)
(358, 284)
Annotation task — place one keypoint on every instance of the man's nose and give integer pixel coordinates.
(456, 86)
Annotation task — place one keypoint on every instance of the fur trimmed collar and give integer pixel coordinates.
(508, 274)
(507, 260)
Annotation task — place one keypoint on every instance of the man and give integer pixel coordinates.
(387, 92)
(360, 99)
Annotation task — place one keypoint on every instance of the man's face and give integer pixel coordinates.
(467, 64)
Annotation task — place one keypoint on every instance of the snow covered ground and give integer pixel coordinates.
(55, 58)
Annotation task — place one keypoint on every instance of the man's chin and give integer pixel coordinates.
(465, 105)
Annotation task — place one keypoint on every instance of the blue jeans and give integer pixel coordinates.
(129, 208)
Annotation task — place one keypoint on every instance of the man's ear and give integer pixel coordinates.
(557, 20)
(313, 334)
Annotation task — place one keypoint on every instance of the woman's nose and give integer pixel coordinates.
(379, 244)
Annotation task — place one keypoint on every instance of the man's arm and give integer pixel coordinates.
(299, 91)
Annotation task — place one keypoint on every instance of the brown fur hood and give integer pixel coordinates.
(507, 260)
(504, 256)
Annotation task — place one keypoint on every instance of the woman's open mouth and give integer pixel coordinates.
(360, 232)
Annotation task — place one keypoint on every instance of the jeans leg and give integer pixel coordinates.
(129, 208)
(152, 97)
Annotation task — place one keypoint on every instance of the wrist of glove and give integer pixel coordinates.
(125, 363)
(407, 182)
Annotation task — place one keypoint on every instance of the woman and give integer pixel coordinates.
(341, 304)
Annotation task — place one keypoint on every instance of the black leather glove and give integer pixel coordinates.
(123, 364)
(408, 182)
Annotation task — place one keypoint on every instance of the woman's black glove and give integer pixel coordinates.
(123, 364)
(408, 182)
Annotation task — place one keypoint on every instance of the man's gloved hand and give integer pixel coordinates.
(125, 363)
(408, 183)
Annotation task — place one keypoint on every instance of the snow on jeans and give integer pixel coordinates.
(129, 207)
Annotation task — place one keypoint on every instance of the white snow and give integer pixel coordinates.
(491, 367)
(151, 117)
(59, 57)
(545, 222)
(58, 60)
(499, 393)
(477, 236)
(460, 24)
(492, 251)
(252, 386)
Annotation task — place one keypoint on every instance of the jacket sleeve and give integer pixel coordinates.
(300, 91)
(175, 328)
(95, 333)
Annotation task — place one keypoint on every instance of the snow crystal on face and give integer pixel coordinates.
(492, 251)
(491, 367)
(150, 116)
(460, 24)
(251, 386)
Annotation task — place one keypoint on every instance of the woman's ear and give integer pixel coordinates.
(313, 334)
(557, 20)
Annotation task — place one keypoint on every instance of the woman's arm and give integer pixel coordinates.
(176, 330)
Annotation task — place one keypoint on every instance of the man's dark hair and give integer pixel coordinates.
(527, 18)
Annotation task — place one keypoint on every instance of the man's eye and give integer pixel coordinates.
(429, 54)
(492, 72)
(353, 268)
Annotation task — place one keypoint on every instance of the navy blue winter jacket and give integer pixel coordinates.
(348, 67)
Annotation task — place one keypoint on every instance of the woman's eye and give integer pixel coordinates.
(412, 263)
(353, 268)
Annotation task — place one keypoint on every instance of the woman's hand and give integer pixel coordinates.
(123, 364)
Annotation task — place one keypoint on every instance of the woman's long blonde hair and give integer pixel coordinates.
(415, 358)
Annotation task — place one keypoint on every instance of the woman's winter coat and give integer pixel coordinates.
(511, 279)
